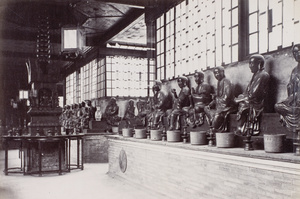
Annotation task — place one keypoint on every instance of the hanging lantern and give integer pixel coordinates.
(73, 42)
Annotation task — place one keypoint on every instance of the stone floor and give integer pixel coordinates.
(92, 182)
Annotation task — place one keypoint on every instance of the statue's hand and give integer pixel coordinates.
(241, 98)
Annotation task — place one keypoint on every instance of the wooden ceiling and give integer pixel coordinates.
(103, 21)
(19, 23)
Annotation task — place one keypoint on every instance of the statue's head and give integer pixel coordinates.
(199, 77)
(88, 102)
(182, 81)
(157, 85)
(112, 100)
(256, 63)
(296, 52)
(131, 103)
(219, 73)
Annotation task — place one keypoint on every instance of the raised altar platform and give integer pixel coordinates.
(179, 170)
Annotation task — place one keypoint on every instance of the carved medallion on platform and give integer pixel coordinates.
(123, 161)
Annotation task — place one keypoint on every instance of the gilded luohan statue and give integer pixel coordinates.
(222, 104)
(162, 101)
(129, 116)
(201, 96)
(251, 102)
(289, 109)
(111, 112)
(181, 103)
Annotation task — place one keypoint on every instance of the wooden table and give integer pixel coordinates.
(26, 149)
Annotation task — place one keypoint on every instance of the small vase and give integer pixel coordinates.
(98, 114)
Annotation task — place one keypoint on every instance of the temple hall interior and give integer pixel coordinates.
(150, 99)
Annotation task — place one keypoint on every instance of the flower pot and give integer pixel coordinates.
(155, 134)
(274, 143)
(115, 129)
(140, 133)
(198, 137)
(127, 132)
(225, 140)
(173, 136)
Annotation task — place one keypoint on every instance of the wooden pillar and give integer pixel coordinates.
(150, 20)
(243, 29)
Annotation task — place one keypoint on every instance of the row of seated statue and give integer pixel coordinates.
(192, 106)
(76, 117)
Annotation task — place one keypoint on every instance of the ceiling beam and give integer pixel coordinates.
(10, 54)
(27, 36)
(122, 52)
(63, 2)
(143, 3)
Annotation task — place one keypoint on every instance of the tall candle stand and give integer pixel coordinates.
(248, 142)
(164, 134)
(185, 135)
(211, 137)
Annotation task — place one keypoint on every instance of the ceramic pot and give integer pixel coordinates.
(140, 133)
(155, 134)
(115, 129)
(198, 137)
(225, 140)
(127, 132)
(274, 143)
(173, 136)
